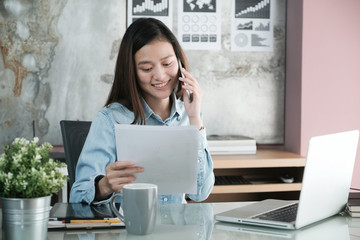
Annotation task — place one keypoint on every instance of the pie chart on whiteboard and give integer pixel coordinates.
(241, 40)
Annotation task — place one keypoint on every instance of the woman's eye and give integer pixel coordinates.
(167, 64)
(146, 69)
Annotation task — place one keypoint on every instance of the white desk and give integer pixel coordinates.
(195, 221)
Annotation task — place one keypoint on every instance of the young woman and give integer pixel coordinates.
(147, 89)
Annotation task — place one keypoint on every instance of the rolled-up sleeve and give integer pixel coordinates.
(205, 175)
(99, 151)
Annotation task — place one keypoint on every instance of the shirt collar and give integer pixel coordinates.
(175, 108)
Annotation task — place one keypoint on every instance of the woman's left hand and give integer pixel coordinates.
(192, 105)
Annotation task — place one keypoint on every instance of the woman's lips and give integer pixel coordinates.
(161, 85)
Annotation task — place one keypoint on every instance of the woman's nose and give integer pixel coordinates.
(159, 74)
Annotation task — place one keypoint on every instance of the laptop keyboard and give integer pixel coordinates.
(230, 180)
(285, 214)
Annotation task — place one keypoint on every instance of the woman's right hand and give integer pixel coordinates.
(117, 175)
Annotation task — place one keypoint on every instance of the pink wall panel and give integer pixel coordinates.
(293, 76)
(330, 71)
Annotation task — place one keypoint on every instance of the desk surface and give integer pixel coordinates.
(195, 221)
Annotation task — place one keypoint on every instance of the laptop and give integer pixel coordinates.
(333, 228)
(325, 187)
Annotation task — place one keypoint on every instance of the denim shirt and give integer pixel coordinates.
(100, 150)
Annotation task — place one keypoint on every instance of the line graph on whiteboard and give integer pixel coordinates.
(251, 25)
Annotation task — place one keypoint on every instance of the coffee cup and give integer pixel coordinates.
(139, 205)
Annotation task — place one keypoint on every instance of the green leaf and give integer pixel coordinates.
(27, 171)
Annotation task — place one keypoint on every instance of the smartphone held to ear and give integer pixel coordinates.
(182, 75)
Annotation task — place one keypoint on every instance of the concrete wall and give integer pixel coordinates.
(323, 84)
(58, 62)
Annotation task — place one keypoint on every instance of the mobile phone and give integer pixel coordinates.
(182, 75)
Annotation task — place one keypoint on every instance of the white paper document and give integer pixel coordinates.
(167, 154)
(199, 24)
(160, 9)
(252, 27)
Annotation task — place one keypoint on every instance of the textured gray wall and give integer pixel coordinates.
(57, 62)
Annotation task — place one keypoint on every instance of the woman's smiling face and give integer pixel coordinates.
(157, 70)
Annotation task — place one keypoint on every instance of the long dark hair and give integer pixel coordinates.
(125, 88)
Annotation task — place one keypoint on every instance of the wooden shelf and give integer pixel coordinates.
(262, 159)
(255, 188)
(266, 163)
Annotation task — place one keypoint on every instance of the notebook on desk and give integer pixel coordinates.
(325, 187)
(82, 215)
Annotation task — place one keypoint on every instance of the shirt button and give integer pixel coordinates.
(165, 199)
(178, 118)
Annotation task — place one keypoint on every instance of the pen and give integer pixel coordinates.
(95, 221)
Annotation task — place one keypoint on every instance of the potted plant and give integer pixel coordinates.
(28, 178)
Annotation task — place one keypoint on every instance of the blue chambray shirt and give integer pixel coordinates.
(100, 150)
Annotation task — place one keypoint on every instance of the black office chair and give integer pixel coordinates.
(74, 134)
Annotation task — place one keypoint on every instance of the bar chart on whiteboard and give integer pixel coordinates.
(159, 9)
(252, 25)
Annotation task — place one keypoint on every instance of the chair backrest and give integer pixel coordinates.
(74, 134)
